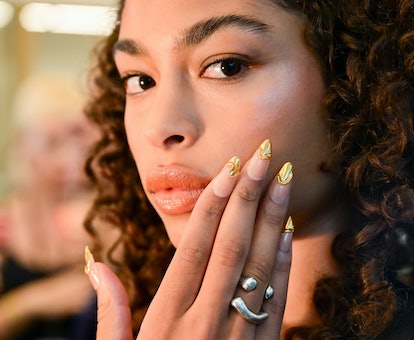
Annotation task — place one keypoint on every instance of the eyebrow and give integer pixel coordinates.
(199, 32)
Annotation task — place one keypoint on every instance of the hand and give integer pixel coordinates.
(231, 233)
(114, 315)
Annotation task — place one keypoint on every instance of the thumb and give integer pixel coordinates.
(114, 314)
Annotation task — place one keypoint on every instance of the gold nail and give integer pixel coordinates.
(289, 227)
(88, 260)
(285, 174)
(235, 166)
(90, 268)
(265, 150)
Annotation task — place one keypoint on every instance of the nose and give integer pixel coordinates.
(173, 120)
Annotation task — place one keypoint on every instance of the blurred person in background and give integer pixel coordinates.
(44, 294)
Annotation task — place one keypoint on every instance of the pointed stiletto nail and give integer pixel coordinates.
(224, 183)
(289, 227)
(234, 162)
(91, 270)
(285, 243)
(285, 174)
(259, 163)
(265, 150)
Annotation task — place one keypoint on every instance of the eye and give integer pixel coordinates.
(137, 83)
(224, 68)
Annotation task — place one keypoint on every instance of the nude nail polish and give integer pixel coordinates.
(285, 243)
(223, 184)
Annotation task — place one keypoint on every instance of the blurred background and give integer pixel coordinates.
(46, 52)
(45, 36)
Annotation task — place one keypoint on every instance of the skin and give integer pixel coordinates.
(276, 96)
(187, 121)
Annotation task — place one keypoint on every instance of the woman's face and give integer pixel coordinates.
(207, 80)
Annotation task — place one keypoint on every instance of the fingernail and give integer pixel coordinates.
(285, 174)
(259, 163)
(265, 150)
(289, 227)
(90, 269)
(234, 166)
(280, 190)
(285, 243)
(223, 185)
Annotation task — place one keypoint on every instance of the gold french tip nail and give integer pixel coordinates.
(235, 166)
(285, 174)
(265, 150)
(289, 227)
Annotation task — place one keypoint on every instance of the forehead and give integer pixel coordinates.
(145, 17)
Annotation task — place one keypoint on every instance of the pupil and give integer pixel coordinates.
(230, 67)
(146, 82)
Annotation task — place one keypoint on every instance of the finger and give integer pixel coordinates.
(264, 249)
(114, 315)
(193, 252)
(275, 306)
(233, 240)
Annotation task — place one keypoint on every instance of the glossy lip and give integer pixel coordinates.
(174, 190)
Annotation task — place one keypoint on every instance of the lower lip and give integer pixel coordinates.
(176, 201)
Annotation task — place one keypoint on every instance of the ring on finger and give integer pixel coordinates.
(269, 292)
(248, 283)
(240, 306)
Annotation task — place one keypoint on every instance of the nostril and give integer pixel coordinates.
(175, 139)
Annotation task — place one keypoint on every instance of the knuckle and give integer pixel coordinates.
(213, 211)
(231, 252)
(191, 255)
(273, 218)
(248, 194)
(104, 310)
(259, 269)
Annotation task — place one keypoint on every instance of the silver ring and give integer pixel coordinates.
(269, 292)
(239, 305)
(248, 283)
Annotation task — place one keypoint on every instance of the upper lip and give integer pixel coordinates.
(174, 177)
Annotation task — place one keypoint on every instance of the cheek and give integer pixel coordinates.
(135, 139)
(289, 115)
(131, 124)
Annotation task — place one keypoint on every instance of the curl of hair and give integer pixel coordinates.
(366, 49)
(368, 59)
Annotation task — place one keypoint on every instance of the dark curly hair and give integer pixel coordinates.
(366, 51)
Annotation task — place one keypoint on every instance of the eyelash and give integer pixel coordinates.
(140, 77)
(240, 64)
